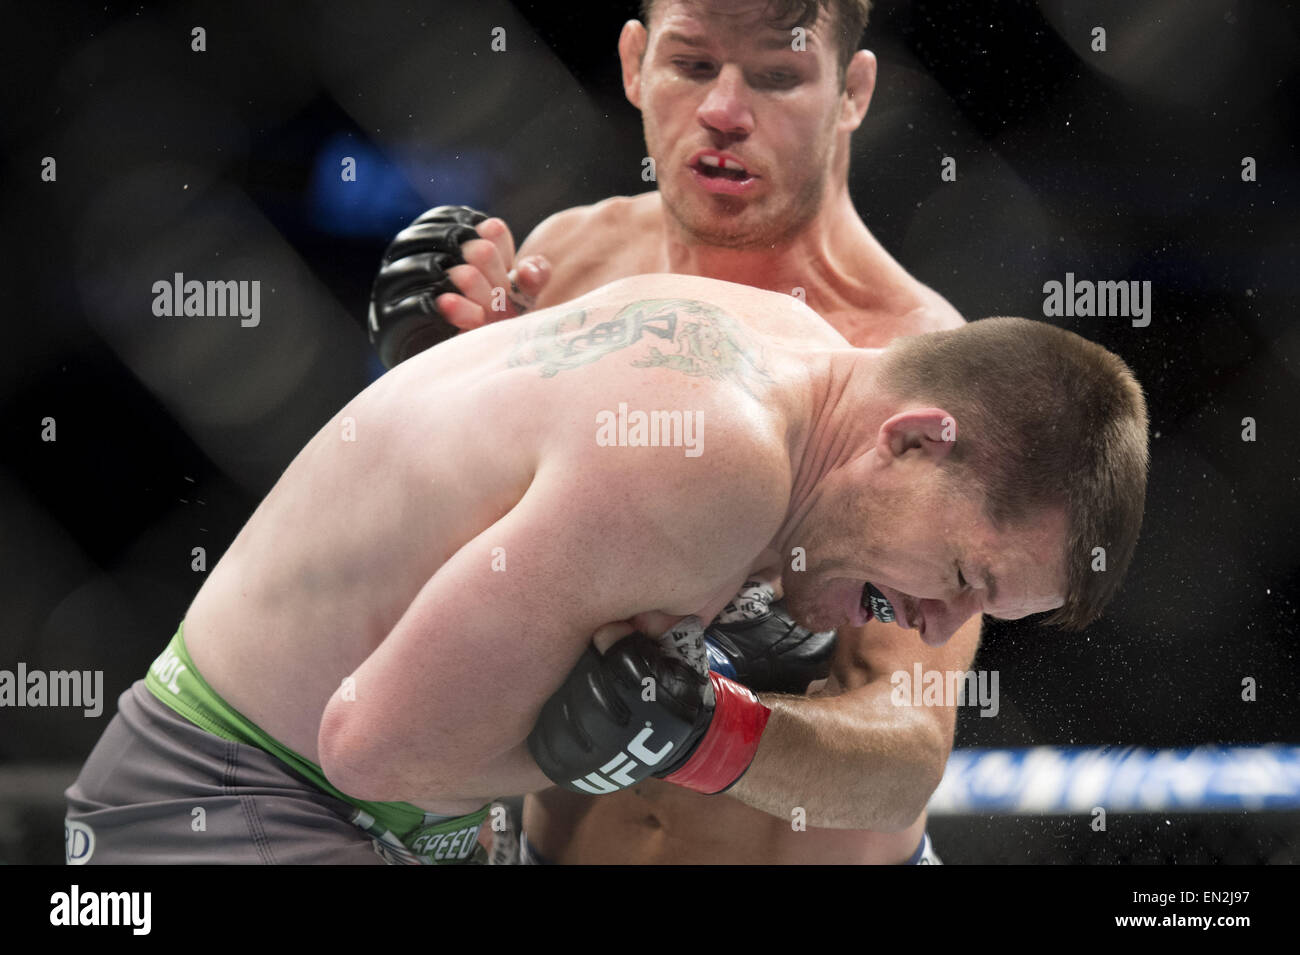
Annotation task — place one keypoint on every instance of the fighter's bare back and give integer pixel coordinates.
(876, 301)
(338, 572)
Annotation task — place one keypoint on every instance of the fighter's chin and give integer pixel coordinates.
(727, 222)
(811, 615)
(719, 230)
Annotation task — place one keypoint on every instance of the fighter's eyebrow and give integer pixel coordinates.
(780, 42)
(686, 39)
(772, 42)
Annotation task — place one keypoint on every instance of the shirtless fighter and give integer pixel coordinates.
(751, 146)
(380, 642)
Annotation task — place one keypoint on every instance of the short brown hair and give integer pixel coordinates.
(848, 18)
(1045, 418)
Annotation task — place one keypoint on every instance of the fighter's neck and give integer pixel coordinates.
(843, 415)
(835, 260)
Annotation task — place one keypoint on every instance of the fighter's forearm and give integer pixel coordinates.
(514, 773)
(852, 761)
(435, 786)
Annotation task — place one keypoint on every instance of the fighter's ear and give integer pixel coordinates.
(859, 84)
(931, 431)
(631, 49)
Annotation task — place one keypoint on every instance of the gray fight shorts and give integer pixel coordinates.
(158, 789)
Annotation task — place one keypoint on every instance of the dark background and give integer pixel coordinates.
(225, 165)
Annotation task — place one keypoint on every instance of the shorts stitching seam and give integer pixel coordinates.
(247, 805)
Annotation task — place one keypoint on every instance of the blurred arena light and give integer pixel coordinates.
(1060, 779)
(1180, 54)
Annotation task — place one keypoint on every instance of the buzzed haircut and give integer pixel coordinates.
(1045, 419)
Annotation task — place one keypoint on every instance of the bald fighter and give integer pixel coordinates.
(393, 637)
(750, 137)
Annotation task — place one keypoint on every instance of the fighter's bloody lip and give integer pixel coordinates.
(730, 187)
(718, 172)
(720, 160)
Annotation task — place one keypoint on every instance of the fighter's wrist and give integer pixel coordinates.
(725, 751)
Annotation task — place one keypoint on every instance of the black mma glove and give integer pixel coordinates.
(755, 642)
(644, 709)
(403, 318)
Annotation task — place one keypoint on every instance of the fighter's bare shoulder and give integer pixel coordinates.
(597, 229)
(934, 313)
(614, 210)
(703, 508)
(668, 411)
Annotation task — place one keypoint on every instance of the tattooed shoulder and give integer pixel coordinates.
(691, 337)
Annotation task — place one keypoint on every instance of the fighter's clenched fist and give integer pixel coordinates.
(756, 642)
(645, 708)
(451, 270)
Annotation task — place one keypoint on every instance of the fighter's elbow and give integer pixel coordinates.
(898, 812)
(914, 779)
(355, 760)
(926, 767)
(350, 761)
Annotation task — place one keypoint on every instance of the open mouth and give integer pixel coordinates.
(877, 604)
(722, 175)
(719, 167)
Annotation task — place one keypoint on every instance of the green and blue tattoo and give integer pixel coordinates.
(695, 338)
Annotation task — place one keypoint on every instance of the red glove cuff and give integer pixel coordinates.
(729, 743)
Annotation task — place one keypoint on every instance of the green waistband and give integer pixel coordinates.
(406, 830)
